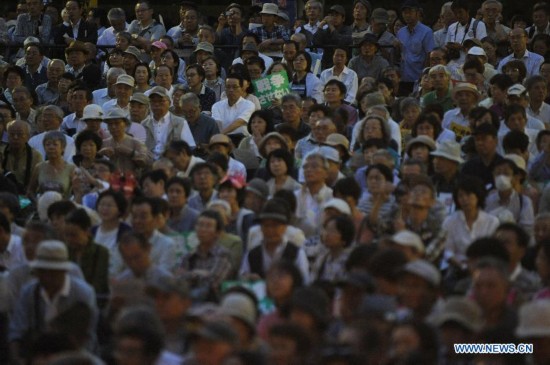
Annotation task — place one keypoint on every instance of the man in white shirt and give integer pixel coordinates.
(52, 116)
(538, 91)
(164, 126)
(466, 97)
(232, 114)
(465, 27)
(101, 96)
(342, 73)
(117, 19)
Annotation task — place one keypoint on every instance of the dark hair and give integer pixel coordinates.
(266, 115)
(82, 87)
(218, 66)
(487, 246)
(167, 67)
(256, 60)
(519, 65)
(339, 84)
(460, 4)
(348, 187)
(320, 107)
(515, 140)
(379, 143)
(284, 155)
(502, 81)
(287, 130)
(219, 159)
(533, 80)
(289, 268)
(60, 208)
(107, 163)
(176, 58)
(143, 64)
(141, 200)
(185, 183)
(290, 41)
(471, 185)
(383, 126)
(15, 70)
(133, 237)
(383, 169)
(307, 56)
(118, 197)
(155, 176)
(387, 263)
(252, 35)
(295, 333)
(10, 201)
(180, 146)
(514, 109)
(287, 68)
(79, 218)
(198, 68)
(87, 135)
(288, 198)
(431, 120)
(540, 37)
(202, 166)
(68, 76)
(540, 135)
(475, 64)
(345, 226)
(479, 111)
(522, 237)
(5, 223)
(213, 214)
(228, 184)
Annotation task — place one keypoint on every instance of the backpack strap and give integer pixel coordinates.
(474, 27)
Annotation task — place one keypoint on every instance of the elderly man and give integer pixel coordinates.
(101, 96)
(47, 93)
(33, 23)
(164, 126)
(466, 97)
(144, 28)
(291, 104)
(202, 126)
(117, 19)
(22, 103)
(54, 291)
(80, 97)
(52, 116)
(139, 112)
(77, 28)
(35, 72)
(518, 44)
(492, 10)
(440, 77)
(124, 88)
(271, 36)
(232, 114)
(18, 157)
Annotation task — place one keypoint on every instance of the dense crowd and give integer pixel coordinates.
(386, 202)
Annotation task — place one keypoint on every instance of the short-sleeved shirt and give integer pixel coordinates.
(227, 114)
(415, 47)
(151, 32)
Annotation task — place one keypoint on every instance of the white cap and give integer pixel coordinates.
(340, 205)
(408, 239)
(92, 112)
(477, 51)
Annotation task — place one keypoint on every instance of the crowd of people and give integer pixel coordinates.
(392, 204)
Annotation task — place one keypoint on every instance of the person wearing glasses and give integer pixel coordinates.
(144, 29)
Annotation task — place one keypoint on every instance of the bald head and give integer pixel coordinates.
(19, 133)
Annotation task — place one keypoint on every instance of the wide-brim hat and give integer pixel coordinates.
(337, 139)
(270, 9)
(408, 238)
(125, 80)
(51, 255)
(159, 91)
(204, 46)
(466, 86)
(140, 98)
(424, 140)
(92, 112)
(76, 46)
(448, 149)
(239, 306)
(114, 114)
(424, 270)
(463, 311)
(261, 147)
(275, 210)
(220, 139)
(134, 51)
(380, 16)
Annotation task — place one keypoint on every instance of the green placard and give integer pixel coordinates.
(271, 87)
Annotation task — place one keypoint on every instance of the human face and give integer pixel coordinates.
(153, 189)
(372, 129)
(33, 56)
(545, 71)
(88, 149)
(123, 92)
(360, 12)
(540, 19)
(498, 94)
(420, 152)
(368, 49)
(268, 20)
(410, 16)
(516, 122)
(289, 51)
(386, 92)
(472, 76)
(75, 237)
(411, 114)
(108, 209)
(163, 77)
(141, 75)
(272, 144)
(543, 266)
(206, 35)
(138, 111)
(465, 100)
(53, 148)
(510, 241)
(168, 59)
(143, 12)
(50, 121)
(440, 80)
(209, 352)
(233, 90)
(258, 126)
(210, 69)
(74, 10)
(176, 196)
(467, 201)
(300, 63)
(490, 290)
(413, 292)
(54, 71)
(203, 179)
(444, 166)
(485, 144)
(518, 40)
(234, 16)
(332, 94)
(538, 91)
(79, 101)
(278, 166)
(404, 341)
(135, 257)
(542, 229)
(437, 58)
(291, 112)
(254, 70)
(340, 57)
(190, 20)
(143, 220)
(273, 231)
(461, 15)
(490, 12)
(51, 280)
(376, 182)
(34, 7)
(18, 136)
(330, 236)
(159, 106)
(122, 43)
(76, 58)
(193, 78)
(22, 102)
(539, 47)
(314, 171)
(190, 112)
(425, 129)
(313, 12)
(322, 129)
(206, 230)
(13, 80)
(179, 159)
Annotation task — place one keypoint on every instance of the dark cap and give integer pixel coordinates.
(275, 210)
(485, 129)
(218, 331)
(337, 9)
(410, 4)
(370, 38)
(312, 301)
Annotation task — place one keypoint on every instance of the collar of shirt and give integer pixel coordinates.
(72, 25)
(164, 119)
(310, 27)
(414, 28)
(278, 251)
(38, 70)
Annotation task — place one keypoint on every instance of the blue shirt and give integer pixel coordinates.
(415, 47)
(531, 60)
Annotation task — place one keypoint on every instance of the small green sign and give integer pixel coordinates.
(271, 87)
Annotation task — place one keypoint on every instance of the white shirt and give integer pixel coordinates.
(236, 169)
(459, 236)
(347, 76)
(113, 103)
(292, 234)
(50, 312)
(456, 122)
(225, 114)
(309, 208)
(192, 162)
(36, 142)
(137, 131)
(14, 255)
(108, 37)
(72, 122)
(457, 32)
(160, 132)
(101, 96)
(543, 114)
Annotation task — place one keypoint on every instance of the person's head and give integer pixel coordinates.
(87, 144)
(340, 57)
(537, 88)
(485, 139)
(378, 176)
(498, 88)
(419, 286)
(54, 144)
(289, 343)
(57, 212)
(290, 49)
(142, 74)
(51, 265)
(518, 40)
(302, 62)
(135, 250)
(282, 279)
(469, 193)
(374, 127)
(195, 75)
(314, 10)
(473, 71)
(515, 239)
(490, 284)
(274, 220)
(178, 190)
(144, 11)
(465, 96)
(211, 66)
(18, 134)
(33, 55)
(77, 230)
(542, 260)
(414, 341)
(209, 227)
(144, 216)
(541, 15)
(22, 99)
(256, 193)
(80, 97)
(440, 77)
(410, 14)
(153, 183)
(164, 75)
(461, 10)
(338, 232)
(516, 70)
(204, 177)
(74, 10)
(334, 91)
(111, 205)
(159, 101)
(438, 56)
(234, 84)
(13, 77)
(427, 125)
(410, 109)
(541, 230)
(515, 117)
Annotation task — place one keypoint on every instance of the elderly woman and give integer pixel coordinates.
(125, 152)
(213, 70)
(54, 173)
(260, 124)
(142, 75)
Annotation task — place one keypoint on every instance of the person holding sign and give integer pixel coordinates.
(466, 97)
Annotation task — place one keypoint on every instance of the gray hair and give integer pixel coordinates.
(316, 3)
(319, 155)
(487, 2)
(116, 14)
(57, 111)
(56, 60)
(55, 136)
(115, 71)
(407, 103)
(380, 108)
(23, 123)
(190, 98)
(295, 98)
(438, 68)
